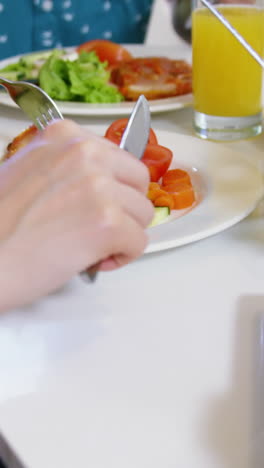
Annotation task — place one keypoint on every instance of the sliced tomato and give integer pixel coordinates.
(157, 158)
(175, 176)
(160, 197)
(183, 195)
(154, 192)
(117, 128)
(165, 199)
(106, 51)
(154, 186)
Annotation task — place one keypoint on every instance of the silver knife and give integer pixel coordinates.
(134, 140)
(136, 134)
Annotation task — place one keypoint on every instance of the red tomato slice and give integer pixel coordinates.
(175, 176)
(106, 51)
(157, 158)
(183, 196)
(117, 128)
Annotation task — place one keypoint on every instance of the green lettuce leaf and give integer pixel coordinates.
(85, 79)
(26, 68)
(53, 78)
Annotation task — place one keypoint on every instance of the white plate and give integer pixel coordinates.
(122, 108)
(228, 189)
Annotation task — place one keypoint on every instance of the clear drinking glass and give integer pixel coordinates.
(227, 81)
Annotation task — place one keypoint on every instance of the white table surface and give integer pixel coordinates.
(157, 365)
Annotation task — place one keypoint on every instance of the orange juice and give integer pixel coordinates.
(227, 81)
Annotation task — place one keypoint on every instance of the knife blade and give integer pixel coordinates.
(134, 140)
(136, 134)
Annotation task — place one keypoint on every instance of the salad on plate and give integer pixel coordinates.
(101, 71)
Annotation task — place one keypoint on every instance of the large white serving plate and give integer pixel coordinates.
(122, 108)
(228, 186)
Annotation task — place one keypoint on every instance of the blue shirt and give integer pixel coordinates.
(29, 25)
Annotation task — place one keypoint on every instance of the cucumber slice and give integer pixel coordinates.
(161, 213)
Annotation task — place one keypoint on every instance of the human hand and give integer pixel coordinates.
(68, 200)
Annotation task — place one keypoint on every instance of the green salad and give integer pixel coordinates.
(84, 79)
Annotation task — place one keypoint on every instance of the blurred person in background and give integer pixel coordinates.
(31, 25)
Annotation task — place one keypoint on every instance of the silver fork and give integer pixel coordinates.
(33, 101)
(42, 110)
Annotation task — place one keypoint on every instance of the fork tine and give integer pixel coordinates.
(39, 123)
(47, 118)
(44, 118)
(45, 110)
(52, 114)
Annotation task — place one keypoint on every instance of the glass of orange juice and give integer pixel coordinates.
(227, 81)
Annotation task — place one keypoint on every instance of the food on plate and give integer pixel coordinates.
(169, 189)
(183, 195)
(21, 140)
(158, 159)
(160, 197)
(101, 71)
(177, 183)
(26, 68)
(117, 128)
(84, 79)
(106, 51)
(176, 197)
(155, 77)
(160, 215)
(175, 176)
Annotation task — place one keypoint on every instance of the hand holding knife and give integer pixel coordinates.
(134, 140)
